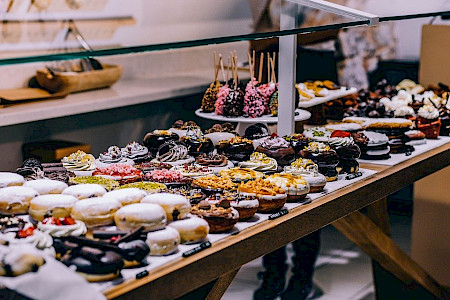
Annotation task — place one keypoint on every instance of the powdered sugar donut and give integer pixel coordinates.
(46, 186)
(10, 179)
(15, 200)
(95, 211)
(177, 207)
(51, 205)
(163, 242)
(126, 196)
(191, 230)
(83, 191)
(147, 215)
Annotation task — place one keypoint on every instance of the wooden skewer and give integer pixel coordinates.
(250, 67)
(216, 69)
(261, 65)
(269, 67)
(222, 68)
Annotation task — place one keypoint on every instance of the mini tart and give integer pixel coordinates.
(95, 211)
(15, 200)
(51, 205)
(84, 191)
(240, 174)
(108, 184)
(126, 196)
(166, 176)
(147, 215)
(59, 227)
(46, 186)
(247, 206)
(221, 218)
(10, 179)
(213, 182)
(237, 148)
(173, 153)
(192, 171)
(212, 160)
(260, 162)
(191, 230)
(163, 242)
(295, 187)
(177, 207)
(149, 187)
(156, 138)
(270, 196)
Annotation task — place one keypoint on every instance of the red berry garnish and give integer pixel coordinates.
(68, 221)
(25, 232)
(273, 135)
(340, 133)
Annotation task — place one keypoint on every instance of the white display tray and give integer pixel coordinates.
(157, 261)
(401, 157)
(333, 94)
(243, 122)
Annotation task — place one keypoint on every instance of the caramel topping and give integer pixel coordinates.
(214, 182)
(261, 187)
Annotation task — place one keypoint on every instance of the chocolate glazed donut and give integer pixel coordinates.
(326, 161)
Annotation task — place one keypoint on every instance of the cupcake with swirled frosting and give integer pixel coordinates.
(80, 163)
(260, 162)
(114, 155)
(347, 150)
(277, 148)
(137, 152)
(428, 121)
(62, 227)
(309, 171)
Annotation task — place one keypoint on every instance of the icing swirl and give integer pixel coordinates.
(260, 162)
(341, 142)
(79, 161)
(171, 151)
(428, 112)
(79, 228)
(133, 150)
(274, 142)
(404, 111)
(113, 155)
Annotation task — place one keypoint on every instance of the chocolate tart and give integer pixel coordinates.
(155, 139)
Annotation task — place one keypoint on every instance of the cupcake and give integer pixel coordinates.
(221, 217)
(347, 150)
(196, 142)
(309, 172)
(80, 163)
(277, 148)
(270, 196)
(155, 139)
(295, 186)
(428, 121)
(444, 115)
(236, 149)
(297, 141)
(246, 206)
(136, 152)
(325, 157)
(260, 162)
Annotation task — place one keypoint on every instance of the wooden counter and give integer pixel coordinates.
(340, 208)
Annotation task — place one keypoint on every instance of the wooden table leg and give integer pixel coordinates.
(374, 242)
(221, 285)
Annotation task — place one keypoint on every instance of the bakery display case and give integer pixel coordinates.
(283, 185)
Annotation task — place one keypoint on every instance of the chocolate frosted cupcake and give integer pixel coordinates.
(347, 151)
(237, 148)
(325, 157)
(428, 121)
(155, 139)
(196, 142)
(277, 148)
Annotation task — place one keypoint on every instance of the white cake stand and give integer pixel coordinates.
(243, 123)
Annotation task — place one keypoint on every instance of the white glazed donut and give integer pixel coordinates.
(126, 196)
(95, 211)
(10, 179)
(147, 215)
(191, 230)
(176, 206)
(46, 186)
(163, 242)
(84, 191)
(15, 200)
(51, 205)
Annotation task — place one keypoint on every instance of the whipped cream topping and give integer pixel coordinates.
(341, 142)
(133, 150)
(403, 96)
(260, 162)
(274, 142)
(79, 161)
(38, 239)
(317, 147)
(375, 137)
(428, 112)
(113, 155)
(175, 151)
(404, 111)
(77, 229)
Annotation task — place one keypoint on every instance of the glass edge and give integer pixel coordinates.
(207, 41)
